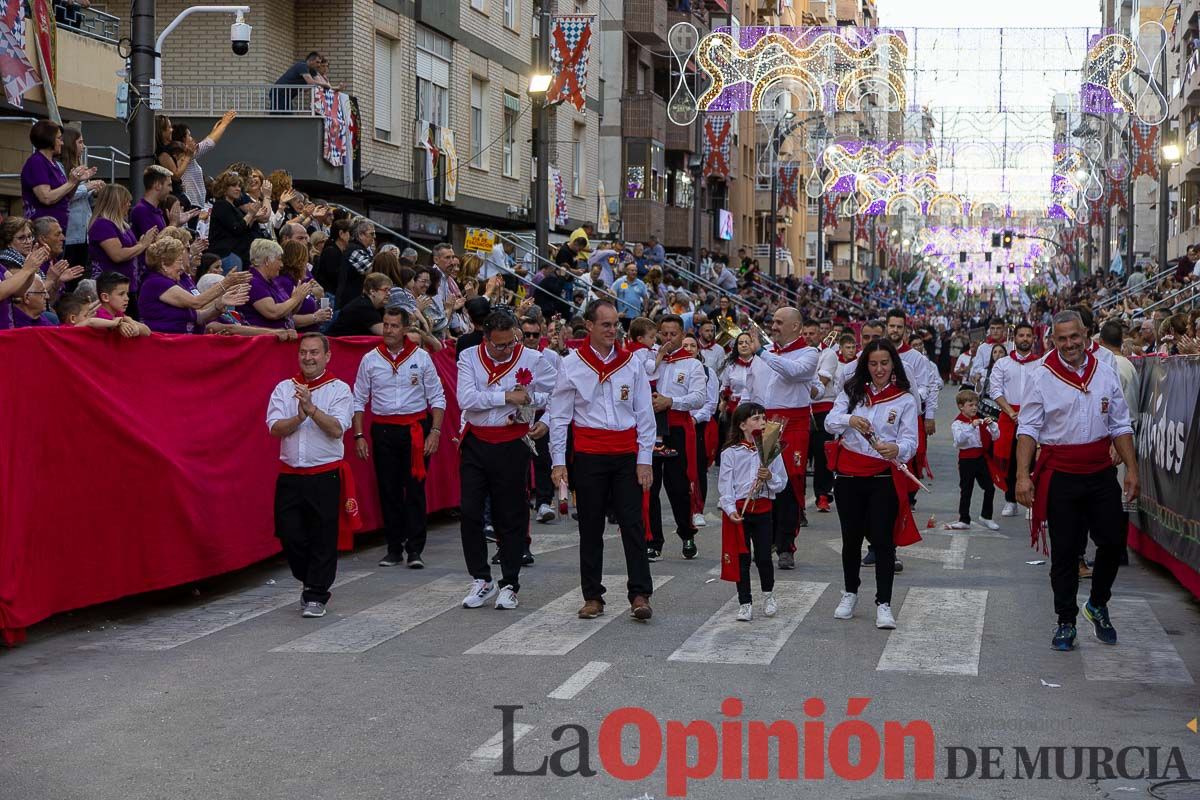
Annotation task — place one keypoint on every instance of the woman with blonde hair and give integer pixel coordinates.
(308, 316)
(112, 243)
(168, 307)
(269, 306)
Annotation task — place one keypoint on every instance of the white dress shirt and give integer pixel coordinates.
(1055, 412)
(619, 403)
(739, 469)
(967, 436)
(983, 359)
(482, 403)
(712, 390)
(924, 379)
(412, 387)
(827, 368)
(712, 356)
(308, 445)
(684, 382)
(789, 379)
(1010, 379)
(739, 379)
(892, 421)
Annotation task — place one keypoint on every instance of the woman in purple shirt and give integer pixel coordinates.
(270, 306)
(308, 316)
(112, 244)
(167, 307)
(19, 263)
(45, 188)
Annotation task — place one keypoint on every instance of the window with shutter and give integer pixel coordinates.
(383, 88)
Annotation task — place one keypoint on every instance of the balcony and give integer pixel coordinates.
(677, 228)
(646, 21)
(680, 137)
(641, 218)
(643, 116)
(698, 16)
(87, 64)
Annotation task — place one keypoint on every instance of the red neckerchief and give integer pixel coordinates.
(964, 418)
(748, 445)
(743, 363)
(407, 350)
(1027, 359)
(887, 394)
(799, 344)
(990, 340)
(603, 370)
(904, 348)
(634, 346)
(708, 346)
(315, 383)
(678, 355)
(494, 370)
(1094, 346)
(1068, 375)
(843, 360)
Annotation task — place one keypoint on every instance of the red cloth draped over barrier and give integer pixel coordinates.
(137, 464)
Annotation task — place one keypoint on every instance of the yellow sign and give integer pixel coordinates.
(479, 239)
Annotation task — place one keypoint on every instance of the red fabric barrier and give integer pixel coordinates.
(136, 464)
(1146, 547)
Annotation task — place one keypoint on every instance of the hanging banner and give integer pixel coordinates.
(17, 73)
(1145, 150)
(1166, 526)
(426, 140)
(570, 42)
(46, 35)
(450, 173)
(718, 139)
(603, 224)
(915, 284)
(789, 179)
(558, 199)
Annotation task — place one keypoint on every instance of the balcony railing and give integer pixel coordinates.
(248, 100)
(88, 22)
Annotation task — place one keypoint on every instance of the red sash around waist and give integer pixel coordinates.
(602, 442)
(823, 407)
(1074, 459)
(349, 519)
(497, 434)
(858, 465)
(416, 436)
(968, 453)
(733, 537)
(684, 419)
(1008, 434)
(795, 440)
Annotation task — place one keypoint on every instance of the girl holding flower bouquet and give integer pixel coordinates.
(746, 490)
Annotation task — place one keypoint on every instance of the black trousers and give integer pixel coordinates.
(702, 458)
(1079, 504)
(759, 533)
(973, 471)
(603, 480)
(868, 506)
(785, 519)
(306, 523)
(1010, 494)
(660, 424)
(543, 489)
(401, 496)
(672, 472)
(817, 437)
(495, 472)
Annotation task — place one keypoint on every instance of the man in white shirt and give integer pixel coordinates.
(1010, 377)
(983, 357)
(309, 414)
(723, 278)
(825, 391)
(604, 393)
(402, 386)
(1075, 411)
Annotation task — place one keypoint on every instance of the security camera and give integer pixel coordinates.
(239, 36)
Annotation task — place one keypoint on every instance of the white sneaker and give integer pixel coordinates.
(698, 521)
(745, 612)
(989, 524)
(845, 608)
(959, 526)
(1009, 510)
(770, 608)
(545, 513)
(507, 599)
(481, 592)
(883, 617)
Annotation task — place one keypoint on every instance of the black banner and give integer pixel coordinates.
(1168, 444)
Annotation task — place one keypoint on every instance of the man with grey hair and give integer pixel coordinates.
(1075, 411)
(293, 232)
(49, 234)
(356, 262)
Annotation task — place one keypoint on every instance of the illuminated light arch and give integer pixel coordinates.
(900, 199)
(954, 204)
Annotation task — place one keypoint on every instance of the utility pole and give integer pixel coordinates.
(141, 123)
(771, 227)
(697, 192)
(1164, 191)
(541, 198)
(820, 234)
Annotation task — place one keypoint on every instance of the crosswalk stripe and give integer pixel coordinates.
(579, 681)
(939, 632)
(493, 748)
(172, 630)
(554, 630)
(1143, 652)
(549, 542)
(375, 625)
(724, 640)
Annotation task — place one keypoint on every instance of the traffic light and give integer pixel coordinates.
(988, 256)
(1012, 269)
(1006, 240)
(995, 240)
(962, 256)
(999, 269)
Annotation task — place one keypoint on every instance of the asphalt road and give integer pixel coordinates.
(221, 690)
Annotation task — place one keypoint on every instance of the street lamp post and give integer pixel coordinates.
(1170, 155)
(772, 228)
(539, 84)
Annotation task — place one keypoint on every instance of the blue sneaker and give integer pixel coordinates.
(1098, 616)
(1064, 637)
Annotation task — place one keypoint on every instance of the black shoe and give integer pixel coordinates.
(391, 560)
(1098, 616)
(527, 558)
(689, 548)
(1064, 637)
(787, 560)
(489, 533)
(803, 519)
(496, 558)
(653, 555)
(869, 558)
(899, 567)
(415, 562)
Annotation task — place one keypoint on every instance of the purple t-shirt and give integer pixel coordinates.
(143, 217)
(41, 171)
(260, 287)
(159, 316)
(6, 306)
(23, 320)
(103, 230)
(287, 285)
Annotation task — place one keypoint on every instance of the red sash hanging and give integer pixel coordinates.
(733, 538)
(349, 520)
(855, 464)
(710, 440)
(1074, 459)
(1003, 445)
(416, 437)
(683, 419)
(794, 439)
(919, 465)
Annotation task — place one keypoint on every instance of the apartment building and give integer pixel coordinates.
(441, 110)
